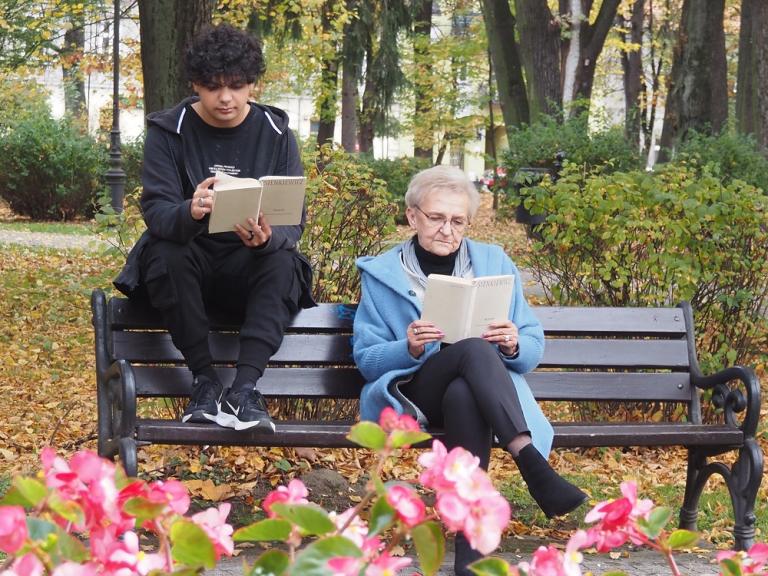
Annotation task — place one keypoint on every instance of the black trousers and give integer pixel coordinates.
(466, 389)
(184, 281)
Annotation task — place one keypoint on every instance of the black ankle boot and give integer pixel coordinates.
(464, 555)
(553, 493)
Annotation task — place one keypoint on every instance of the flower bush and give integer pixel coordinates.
(84, 517)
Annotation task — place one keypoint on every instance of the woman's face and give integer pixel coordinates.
(440, 220)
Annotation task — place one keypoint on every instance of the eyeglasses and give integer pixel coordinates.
(440, 220)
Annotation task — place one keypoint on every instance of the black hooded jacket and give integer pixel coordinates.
(171, 172)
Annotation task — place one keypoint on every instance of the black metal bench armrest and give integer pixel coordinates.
(122, 396)
(732, 400)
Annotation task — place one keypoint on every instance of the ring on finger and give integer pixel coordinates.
(506, 337)
(200, 202)
(416, 331)
(251, 235)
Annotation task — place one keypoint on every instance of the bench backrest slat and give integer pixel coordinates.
(626, 322)
(602, 353)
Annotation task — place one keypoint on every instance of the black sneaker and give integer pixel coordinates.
(244, 409)
(203, 404)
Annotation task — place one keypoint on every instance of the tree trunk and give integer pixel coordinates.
(72, 75)
(583, 50)
(329, 81)
(367, 106)
(422, 29)
(540, 54)
(500, 28)
(349, 98)
(632, 65)
(698, 96)
(752, 80)
(166, 28)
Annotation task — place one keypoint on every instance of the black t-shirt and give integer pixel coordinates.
(228, 150)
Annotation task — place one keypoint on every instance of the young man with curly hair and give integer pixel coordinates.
(184, 270)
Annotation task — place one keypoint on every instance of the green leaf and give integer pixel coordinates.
(382, 516)
(26, 492)
(430, 546)
(191, 545)
(313, 560)
(730, 567)
(271, 563)
(368, 435)
(682, 539)
(400, 438)
(143, 509)
(67, 547)
(615, 573)
(490, 566)
(264, 530)
(40, 530)
(311, 518)
(656, 521)
(67, 509)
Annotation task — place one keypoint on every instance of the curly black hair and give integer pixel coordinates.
(223, 52)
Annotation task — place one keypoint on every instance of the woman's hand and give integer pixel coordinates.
(421, 332)
(504, 334)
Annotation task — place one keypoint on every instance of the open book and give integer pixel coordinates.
(464, 307)
(280, 198)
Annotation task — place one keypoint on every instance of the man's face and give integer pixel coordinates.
(223, 104)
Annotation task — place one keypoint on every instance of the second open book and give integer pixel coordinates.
(464, 307)
(279, 198)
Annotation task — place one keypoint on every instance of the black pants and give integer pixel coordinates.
(465, 388)
(183, 281)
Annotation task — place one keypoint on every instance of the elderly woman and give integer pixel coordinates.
(475, 388)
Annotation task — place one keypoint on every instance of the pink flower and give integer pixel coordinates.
(345, 566)
(27, 565)
(433, 462)
(386, 565)
(486, 522)
(452, 509)
(294, 493)
(459, 465)
(617, 519)
(474, 486)
(357, 528)
(213, 522)
(407, 504)
(13, 528)
(172, 492)
(74, 569)
(751, 562)
(390, 421)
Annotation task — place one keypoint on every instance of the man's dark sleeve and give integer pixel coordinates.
(163, 202)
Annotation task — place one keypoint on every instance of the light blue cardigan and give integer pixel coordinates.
(388, 305)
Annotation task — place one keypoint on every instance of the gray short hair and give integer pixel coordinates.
(442, 177)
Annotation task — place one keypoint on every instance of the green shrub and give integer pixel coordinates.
(643, 239)
(396, 175)
(728, 156)
(49, 170)
(349, 215)
(538, 144)
(20, 99)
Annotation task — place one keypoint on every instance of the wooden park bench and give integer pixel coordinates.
(601, 359)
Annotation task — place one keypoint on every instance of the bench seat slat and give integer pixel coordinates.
(614, 321)
(127, 314)
(333, 434)
(170, 381)
(310, 349)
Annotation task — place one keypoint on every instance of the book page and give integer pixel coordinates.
(492, 301)
(234, 201)
(447, 303)
(282, 199)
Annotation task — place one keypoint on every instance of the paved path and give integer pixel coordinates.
(51, 240)
(633, 562)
